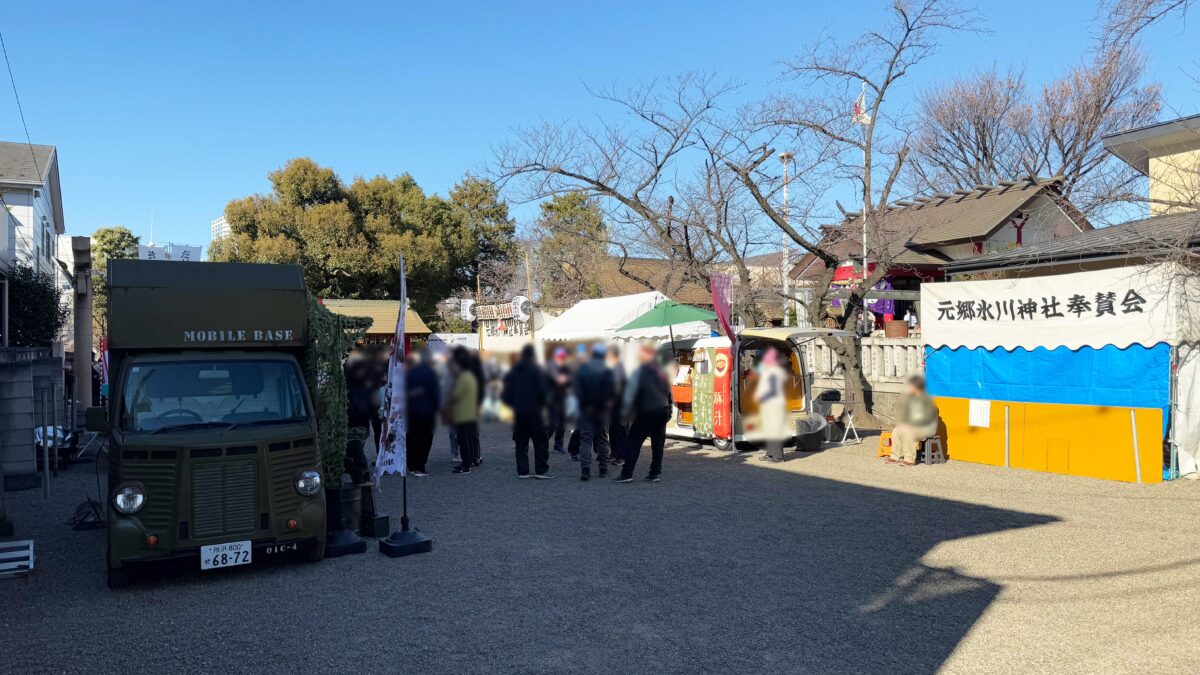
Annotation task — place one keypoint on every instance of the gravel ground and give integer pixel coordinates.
(829, 562)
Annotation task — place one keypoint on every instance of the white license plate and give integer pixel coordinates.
(225, 555)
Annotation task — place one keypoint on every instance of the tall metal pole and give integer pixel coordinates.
(866, 208)
(478, 319)
(786, 158)
(532, 312)
(54, 427)
(44, 419)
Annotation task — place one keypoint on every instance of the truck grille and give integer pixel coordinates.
(285, 501)
(224, 499)
(159, 479)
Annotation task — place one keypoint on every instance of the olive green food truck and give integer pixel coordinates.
(213, 457)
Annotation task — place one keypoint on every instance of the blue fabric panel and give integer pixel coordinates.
(1137, 376)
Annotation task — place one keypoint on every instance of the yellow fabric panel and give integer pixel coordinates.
(968, 443)
(1093, 441)
(1077, 440)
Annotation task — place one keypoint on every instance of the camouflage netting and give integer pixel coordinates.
(330, 337)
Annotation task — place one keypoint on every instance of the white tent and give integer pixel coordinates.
(599, 319)
(1121, 337)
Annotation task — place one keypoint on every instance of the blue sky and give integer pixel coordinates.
(175, 108)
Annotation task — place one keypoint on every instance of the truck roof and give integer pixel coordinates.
(158, 304)
(177, 274)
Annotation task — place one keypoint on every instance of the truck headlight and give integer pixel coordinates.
(129, 498)
(308, 483)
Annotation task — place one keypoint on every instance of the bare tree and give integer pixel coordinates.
(1119, 22)
(990, 127)
(867, 145)
(966, 135)
(664, 193)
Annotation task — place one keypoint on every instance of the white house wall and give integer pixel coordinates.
(8, 242)
(34, 241)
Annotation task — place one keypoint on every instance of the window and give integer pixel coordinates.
(160, 396)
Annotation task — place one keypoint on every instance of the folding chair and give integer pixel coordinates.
(850, 404)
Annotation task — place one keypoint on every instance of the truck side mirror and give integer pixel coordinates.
(96, 419)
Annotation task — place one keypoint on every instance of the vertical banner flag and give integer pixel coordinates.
(722, 295)
(152, 252)
(722, 410)
(185, 253)
(393, 456)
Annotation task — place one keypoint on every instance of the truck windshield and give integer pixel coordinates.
(162, 396)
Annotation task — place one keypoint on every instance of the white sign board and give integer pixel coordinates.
(185, 253)
(152, 253)
(1133, 305)
(521, 308)
(444, 342)
(979, 413)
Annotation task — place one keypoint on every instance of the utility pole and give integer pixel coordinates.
(532, 311)
(478, 320)
(786, 158)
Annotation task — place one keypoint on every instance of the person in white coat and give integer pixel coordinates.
(771, 395)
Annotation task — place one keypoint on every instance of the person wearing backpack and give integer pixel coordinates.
(593, 388)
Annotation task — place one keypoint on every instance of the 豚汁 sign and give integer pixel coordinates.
(1119, 307)
(518, 308)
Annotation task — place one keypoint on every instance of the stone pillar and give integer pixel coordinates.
(82, 248)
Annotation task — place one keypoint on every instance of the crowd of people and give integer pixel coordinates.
(582, 404)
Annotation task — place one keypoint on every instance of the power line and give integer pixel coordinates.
(20, 110)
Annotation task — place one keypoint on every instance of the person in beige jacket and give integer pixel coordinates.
(918, 421)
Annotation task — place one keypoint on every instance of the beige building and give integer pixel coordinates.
(1169, 155)
(383, 315)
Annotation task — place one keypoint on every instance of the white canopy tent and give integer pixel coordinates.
(600, 319)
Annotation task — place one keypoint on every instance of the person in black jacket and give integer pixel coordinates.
(593, 390)
(422, 397)
(648, 402)
(526, 391)
(560, 377)
(359, 413)
(617, 431)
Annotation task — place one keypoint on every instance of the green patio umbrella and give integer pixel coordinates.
(669, 313)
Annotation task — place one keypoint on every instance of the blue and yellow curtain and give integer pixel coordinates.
(1068, 410)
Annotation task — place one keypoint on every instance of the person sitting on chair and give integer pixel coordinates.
(918, 421)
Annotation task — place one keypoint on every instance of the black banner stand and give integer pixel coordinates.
(405, 541)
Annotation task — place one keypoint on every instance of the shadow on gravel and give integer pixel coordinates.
(723, 567)
(834, 570)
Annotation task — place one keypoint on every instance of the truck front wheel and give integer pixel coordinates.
(117, 577)
(315, 553)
